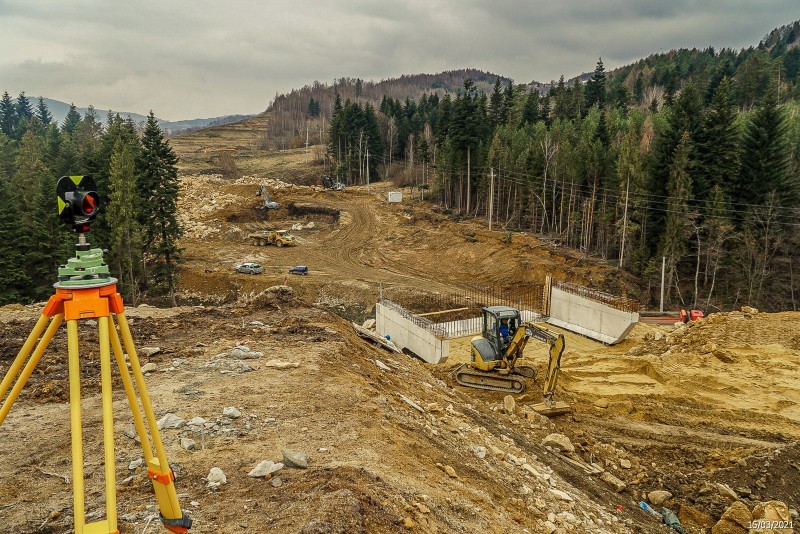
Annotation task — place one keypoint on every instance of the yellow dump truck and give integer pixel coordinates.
(281, 238)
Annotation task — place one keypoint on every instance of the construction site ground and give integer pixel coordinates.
(708, 411)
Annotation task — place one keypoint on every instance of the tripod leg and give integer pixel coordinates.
(130, 392)
(41, 324)
(79, 508)
(108, 423)
(30, 366)
(158, 469)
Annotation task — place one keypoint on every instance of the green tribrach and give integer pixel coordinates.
(87, 268)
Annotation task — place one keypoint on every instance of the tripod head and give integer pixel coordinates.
(78, 205)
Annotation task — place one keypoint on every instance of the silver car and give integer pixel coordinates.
(249, 268)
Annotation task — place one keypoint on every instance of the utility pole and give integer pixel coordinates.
(491, 196)
(663, 268)
(306, 142)
(624, 222)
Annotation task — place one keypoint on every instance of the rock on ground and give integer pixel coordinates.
(658, 497)
(295, 458)
(216, 477)
(558, 441)
(267, 467)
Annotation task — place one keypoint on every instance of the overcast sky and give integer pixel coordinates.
(189, 59)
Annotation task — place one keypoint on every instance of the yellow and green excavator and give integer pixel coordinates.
(495, 353)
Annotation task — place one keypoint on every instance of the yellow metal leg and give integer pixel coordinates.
(133, 402)
(30, 366)
(41, 324)
(108, 424)
(159, 471)
(76, 426)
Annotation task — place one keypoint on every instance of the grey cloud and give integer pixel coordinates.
(186, 58)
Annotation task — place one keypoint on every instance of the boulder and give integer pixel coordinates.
(692, 517)
(216, 478)
(772, 511)
(558, 441)
(295, 459)
(265, 468)
(509, 404)
(735, 520)
(613, 482)
(170, 421)
(658, 497)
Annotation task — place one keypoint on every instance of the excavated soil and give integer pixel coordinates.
(708, 411)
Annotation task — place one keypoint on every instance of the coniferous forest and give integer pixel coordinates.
(137, 180)
(689, 158)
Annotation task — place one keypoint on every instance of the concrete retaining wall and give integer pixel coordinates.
(394, 321)
(474, 326)
(591, 318)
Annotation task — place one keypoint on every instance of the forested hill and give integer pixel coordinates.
(290, 112)
(690, 158)
(777, 56)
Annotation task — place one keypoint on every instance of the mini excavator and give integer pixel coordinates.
(495, 352)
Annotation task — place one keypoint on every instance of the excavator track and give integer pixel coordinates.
(492, 381)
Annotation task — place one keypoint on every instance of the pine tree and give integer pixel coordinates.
(158, 182)
(24, 109)
(43, 112)
(8, 116)
(14, 247)
(766, 158)
(72, 120)
(496, 104)
(638, 89)
(596, 87)
(30, 168)
(8, 153)
(676, 229)
(125, 258)
(530, 113)
(718, 146)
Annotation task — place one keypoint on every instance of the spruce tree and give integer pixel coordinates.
(24, 109)
(8, 116)
(766, 158)
(125, 258)
(14, 249)
(43, 112)
(596, 87)
(530, 112)
(71, 121)
(718, 146)
(158, 182)
(676, 228)
(30, 168)
(496, 104)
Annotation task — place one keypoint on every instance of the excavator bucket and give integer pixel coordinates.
(551, 408)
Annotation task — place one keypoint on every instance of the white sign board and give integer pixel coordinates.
(395, 196)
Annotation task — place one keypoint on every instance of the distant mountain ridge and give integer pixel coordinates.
(60, 109)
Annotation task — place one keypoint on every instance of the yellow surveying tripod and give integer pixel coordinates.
(85, 291)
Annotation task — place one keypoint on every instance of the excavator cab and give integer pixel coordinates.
(499, 325)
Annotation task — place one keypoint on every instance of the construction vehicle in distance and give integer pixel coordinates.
(281, 238)
(495, 353)
(691, 315)
(266, 202)
(332, 183)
